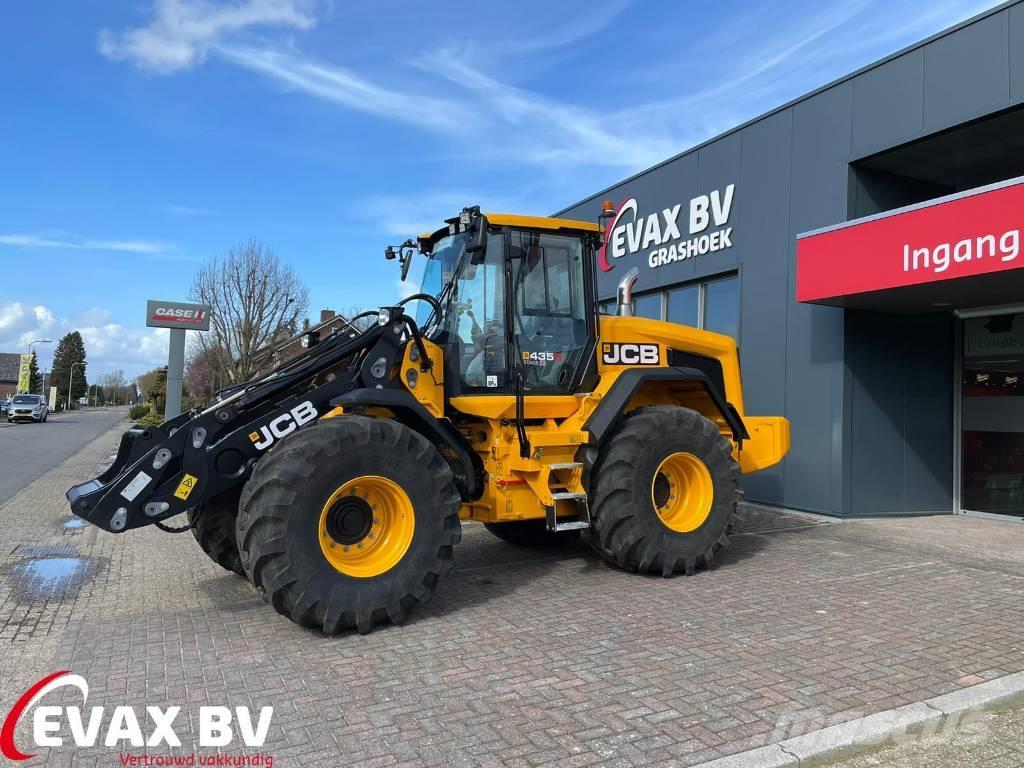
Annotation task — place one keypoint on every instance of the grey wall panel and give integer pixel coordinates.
(875, 191)
(888, 104)
(877, 403)
(1016, 35)
(814, 357)
(900, 409)
(762, 228)
(967, 73)
(928, 433)
(718, 166)
(679, 186)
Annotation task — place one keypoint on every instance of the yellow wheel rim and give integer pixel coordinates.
(366, 526)
(682, 492)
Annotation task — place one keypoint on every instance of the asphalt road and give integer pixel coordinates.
(29, 450)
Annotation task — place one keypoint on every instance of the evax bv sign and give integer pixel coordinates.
(664, 236)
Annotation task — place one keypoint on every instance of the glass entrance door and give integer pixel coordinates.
(992, 415)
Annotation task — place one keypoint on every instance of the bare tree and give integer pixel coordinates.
(363, 322)
(255, 301)
(114, 387)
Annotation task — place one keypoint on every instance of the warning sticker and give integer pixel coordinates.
(188, 482)
(134, 488)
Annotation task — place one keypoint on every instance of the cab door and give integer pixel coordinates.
(551, 314)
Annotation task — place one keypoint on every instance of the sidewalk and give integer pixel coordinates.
(990, 739)
(524, 658)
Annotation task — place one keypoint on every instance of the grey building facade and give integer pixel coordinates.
(873, 385)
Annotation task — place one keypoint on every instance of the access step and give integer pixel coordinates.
(578, 523)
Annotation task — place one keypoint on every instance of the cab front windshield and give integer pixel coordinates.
(440, 268)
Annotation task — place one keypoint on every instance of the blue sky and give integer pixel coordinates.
(139, 139)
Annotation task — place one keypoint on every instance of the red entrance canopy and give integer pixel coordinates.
(956, 238)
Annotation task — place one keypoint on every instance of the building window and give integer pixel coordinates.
(648, 306)
(713, 305)
(684, 306)
(722, 307)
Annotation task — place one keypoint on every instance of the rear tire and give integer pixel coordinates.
(213, 525)
(531, 533)
(664, 492)
(349, 523)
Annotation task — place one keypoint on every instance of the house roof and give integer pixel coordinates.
(10, 364)
(268, 351)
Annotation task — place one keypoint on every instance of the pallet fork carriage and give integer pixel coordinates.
(337, 482)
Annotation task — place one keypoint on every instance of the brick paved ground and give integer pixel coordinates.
(524, 657)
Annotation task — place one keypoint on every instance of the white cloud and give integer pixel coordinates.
(22, 240)
(108, 346)
(546, 131)
(409, 215)
(182, 32)
(341, 86)
(677, 98)
(185, 210)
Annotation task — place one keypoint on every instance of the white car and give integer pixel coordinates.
(27, 408)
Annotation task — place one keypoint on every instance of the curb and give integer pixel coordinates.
(876, 729)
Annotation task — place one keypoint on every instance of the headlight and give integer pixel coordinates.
(384, 316)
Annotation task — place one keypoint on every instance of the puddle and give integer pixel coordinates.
(75, 522)
(47, 577)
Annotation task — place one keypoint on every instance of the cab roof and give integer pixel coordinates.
(540, 222)
(524, 222)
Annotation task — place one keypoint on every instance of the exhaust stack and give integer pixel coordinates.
(625, 292)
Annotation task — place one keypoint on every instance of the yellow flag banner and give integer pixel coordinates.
(24, 374)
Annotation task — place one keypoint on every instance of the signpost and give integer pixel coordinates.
(179, 318)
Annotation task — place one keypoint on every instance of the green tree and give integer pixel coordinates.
(154, 388)
(70, 352)
(35, 381)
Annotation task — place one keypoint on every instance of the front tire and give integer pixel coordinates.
(664, 492)
(213, 525)
(349, 523)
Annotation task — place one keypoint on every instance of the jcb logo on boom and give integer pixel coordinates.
(285, 424)
(630, 354)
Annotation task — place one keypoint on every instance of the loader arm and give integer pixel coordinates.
(161, 472)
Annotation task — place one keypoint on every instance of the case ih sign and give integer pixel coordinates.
(970, 233)
(172, 314)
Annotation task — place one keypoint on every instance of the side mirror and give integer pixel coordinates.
(403, 254)
(406, 262)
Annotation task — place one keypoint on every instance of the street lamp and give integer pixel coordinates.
(39, 341)
(71, 373)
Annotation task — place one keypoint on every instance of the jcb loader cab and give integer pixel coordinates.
(337, 482)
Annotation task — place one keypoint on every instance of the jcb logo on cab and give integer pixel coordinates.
(630, 354)
(285, 424)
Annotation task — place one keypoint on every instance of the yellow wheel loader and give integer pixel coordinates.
(337, 483)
